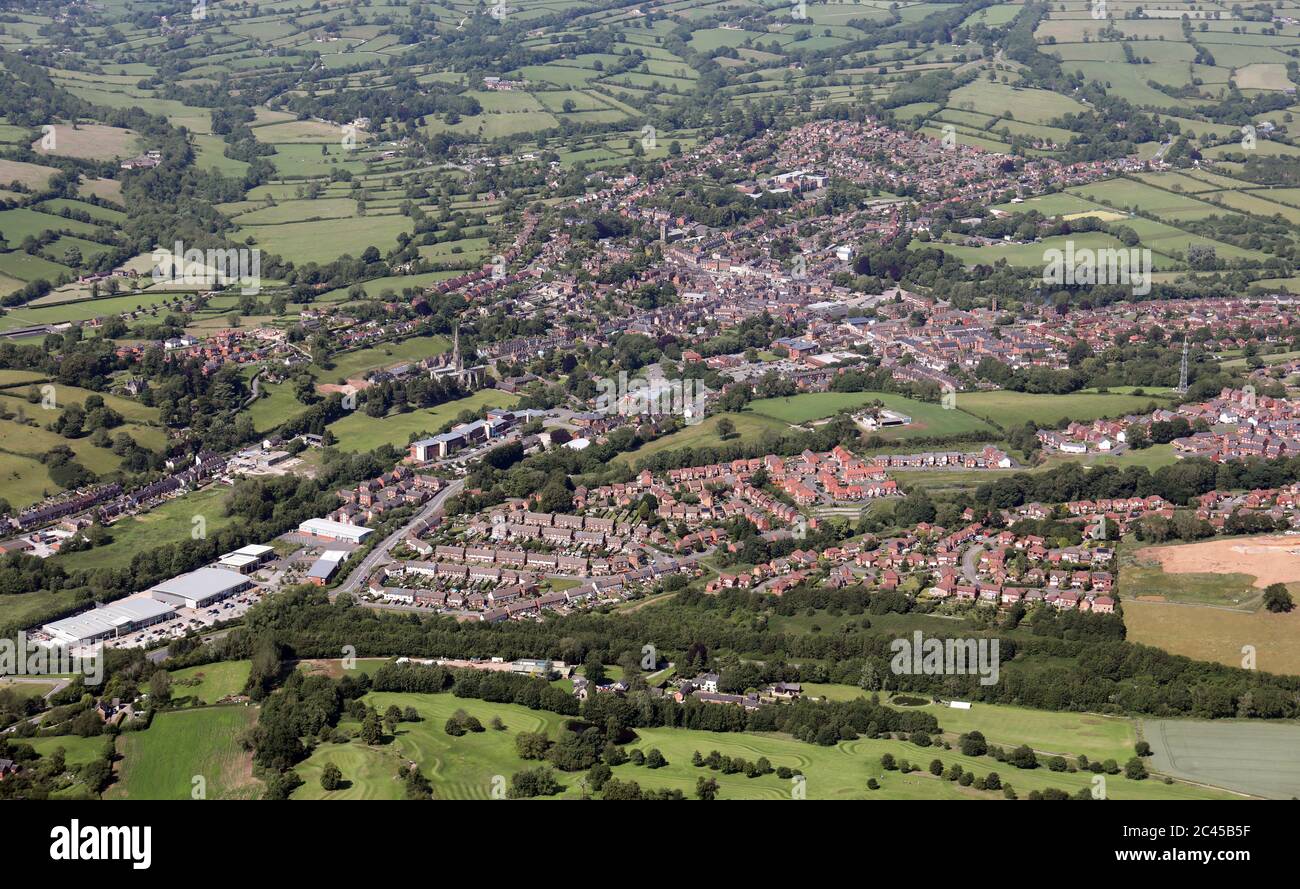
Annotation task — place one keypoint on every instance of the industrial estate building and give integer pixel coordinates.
(247, 559)
(200, 588)
(323, 569)
(108, 621)
(325, 529)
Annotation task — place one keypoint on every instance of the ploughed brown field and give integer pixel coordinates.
(1271, 559)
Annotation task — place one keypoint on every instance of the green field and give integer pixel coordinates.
(928, 419)
(349, 365)
(211, 682)
(171, 522)
(76, 749)
(1231, 590)
(464, 768)
(163, 761)
(1066, 734)
(1011, 409)
(358, 432)
(749, 428)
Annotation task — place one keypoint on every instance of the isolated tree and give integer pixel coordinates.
(1277, 598)
(330, 777)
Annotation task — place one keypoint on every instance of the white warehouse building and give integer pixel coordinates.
(200, 588)
(108, 621)
(331, 530)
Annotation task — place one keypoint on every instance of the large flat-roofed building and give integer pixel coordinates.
(326, 529)
(324, 568)
(246, 559)
(200, 588)
(108, 621)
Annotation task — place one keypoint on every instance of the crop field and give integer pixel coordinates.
(1252, 757)
(162, 761)
(1217, 634)
(89, 141)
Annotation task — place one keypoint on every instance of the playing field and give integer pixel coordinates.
(1046, 731)
(163, 761)
(1254, 757)
(1012, 409)
(928, 419)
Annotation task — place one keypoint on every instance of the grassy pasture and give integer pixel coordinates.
(90, 142)
(749, 428)
(169, 523)
(33, 176)
(209, 683)
(162, 761)
(358, 432)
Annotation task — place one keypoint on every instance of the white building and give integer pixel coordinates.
(200, 588)
(108, 621)
(331, 530)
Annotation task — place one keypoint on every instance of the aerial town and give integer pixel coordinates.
(594, 400)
